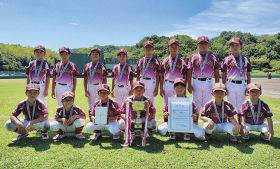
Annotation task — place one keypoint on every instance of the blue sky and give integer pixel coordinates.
(83, 23)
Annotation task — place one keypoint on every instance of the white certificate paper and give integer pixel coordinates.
(101, 115)
(180, 115)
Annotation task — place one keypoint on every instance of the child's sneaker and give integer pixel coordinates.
(172, 136)
(264, 137)
(187, 137)
(44, 136)
(58, 137)
(246, 137)
(19, 137)
(80, 136)
(232, 138)
(95, 136)
(116, 137)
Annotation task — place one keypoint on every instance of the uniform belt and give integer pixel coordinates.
(62, 84)
(96, 84)
(147, 78)
(203, 79)
(170, 81)
(38, 82)
(237, 81)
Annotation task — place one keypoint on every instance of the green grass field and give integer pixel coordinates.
(106, 153)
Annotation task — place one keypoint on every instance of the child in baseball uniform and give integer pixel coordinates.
(236, 70)
(203, 66)
(122, 78)
(180, 90)
(69, 118)
(112, 115)
(172, 67)
(65, 75)
(138, 95)
(253, 114)
(38, 72)
(35, 115)
(219, 115)
(94, 74)
(148, 70)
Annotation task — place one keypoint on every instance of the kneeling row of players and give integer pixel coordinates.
(218, 115)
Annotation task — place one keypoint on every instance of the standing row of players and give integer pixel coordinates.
(196, 75)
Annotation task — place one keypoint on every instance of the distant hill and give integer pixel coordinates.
(264, 51)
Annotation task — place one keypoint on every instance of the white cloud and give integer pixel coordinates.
(74, 23)
(254, 16)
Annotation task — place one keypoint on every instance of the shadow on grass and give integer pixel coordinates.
(34, 142)
(221, 140)
(71, 140)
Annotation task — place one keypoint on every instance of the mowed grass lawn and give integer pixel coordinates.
(159, 153)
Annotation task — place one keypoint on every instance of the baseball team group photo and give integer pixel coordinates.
(176, 100)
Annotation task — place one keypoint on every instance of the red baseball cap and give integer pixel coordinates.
(148, 43)
(255, 86)
(202, 39)
(180, 81)
(235, 40)
(122, 51)
(95, 49)
(32, 87)
(173, 41)
(138, 84)
(40, 47)
(219, 87)
(64, 49)
(67, 94)
(103, 87)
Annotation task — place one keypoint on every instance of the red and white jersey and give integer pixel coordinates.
(122, 74)
(173, 68)
(95, 72)
(236, 67)
(37, 71)
(65, 73)
(203, 66)
(148, 67)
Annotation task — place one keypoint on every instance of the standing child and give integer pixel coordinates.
(38, 72)
(180, 90)
(203, 66)
(148, 71)
(236, 70)
(219, 115)
(65, 75)
(35, 115)
(112, 115)
(122, 78)
(68, 118)
(173, 67)
(94, 74)
(253, 114)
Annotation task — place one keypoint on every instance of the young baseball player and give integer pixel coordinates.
(94, 74)
(35, 115)
(38, 72)
(112, 115)
(172, 67)
(202, 67)
(148, 71)
(236, 70)
(138, 95)
(219, 115)
(253, 114)
(69, 118)
(65, 75)
(180, 90)
(122, 78)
